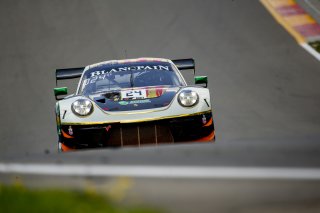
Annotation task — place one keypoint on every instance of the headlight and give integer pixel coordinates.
(82, 107)
(188, 98)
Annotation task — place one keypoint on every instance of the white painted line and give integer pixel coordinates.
(311, 50)
(163, 171)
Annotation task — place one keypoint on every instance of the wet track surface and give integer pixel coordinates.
(265, 91)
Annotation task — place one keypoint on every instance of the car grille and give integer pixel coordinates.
(139, 135)
(123, 135)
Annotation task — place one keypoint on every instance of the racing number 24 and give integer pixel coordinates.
(132, 93)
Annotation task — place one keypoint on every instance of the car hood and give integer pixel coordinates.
(146, 98)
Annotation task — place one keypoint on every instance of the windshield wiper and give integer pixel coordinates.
(131, 78)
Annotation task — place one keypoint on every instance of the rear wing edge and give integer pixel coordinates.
(68, 73)
(185, 64)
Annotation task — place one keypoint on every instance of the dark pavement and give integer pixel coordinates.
(265, 93)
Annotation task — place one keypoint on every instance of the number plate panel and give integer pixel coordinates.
(134, 94)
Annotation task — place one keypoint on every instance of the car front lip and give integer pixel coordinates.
(169, 130)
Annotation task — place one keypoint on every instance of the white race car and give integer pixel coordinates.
(133, 102)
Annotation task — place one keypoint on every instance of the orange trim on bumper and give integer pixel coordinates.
(209, 122)
(66, 148)
(66, 135)
(207, 138)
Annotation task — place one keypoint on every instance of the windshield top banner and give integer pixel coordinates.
(111, 68)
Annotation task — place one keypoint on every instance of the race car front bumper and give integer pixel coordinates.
(199, 127)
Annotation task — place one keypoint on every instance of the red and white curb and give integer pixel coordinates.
(296, 21)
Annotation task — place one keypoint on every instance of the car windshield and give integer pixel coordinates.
(117, 76)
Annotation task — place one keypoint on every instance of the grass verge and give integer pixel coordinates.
(20, 199)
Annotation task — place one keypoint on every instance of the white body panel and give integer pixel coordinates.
(174, 109)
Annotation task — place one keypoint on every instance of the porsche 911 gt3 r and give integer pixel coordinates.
(133, 102)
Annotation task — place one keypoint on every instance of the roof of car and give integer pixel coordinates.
(124, 61)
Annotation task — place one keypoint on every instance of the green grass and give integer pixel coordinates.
(315, 45)
(20, 199)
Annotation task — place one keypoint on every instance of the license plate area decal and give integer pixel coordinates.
(134, 94)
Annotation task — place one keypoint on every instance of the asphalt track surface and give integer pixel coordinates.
(265, 93)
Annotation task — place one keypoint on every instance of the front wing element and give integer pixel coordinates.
(198, 127)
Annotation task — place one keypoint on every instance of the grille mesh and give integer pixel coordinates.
(140, 135)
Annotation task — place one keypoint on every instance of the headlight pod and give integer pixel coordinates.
(82, 107)
(188, 98)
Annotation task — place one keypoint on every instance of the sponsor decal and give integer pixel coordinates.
(93, 79)
(70, 131)
(124, 61)
(143, 101)
(140, 101)
(159, 92)
(130, 68)
(151, 93)
(155, 92)
(103, 74)
(123, 102)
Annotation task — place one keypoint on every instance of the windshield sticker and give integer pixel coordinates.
(155, 92)
(93, 79)
(131, 68)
